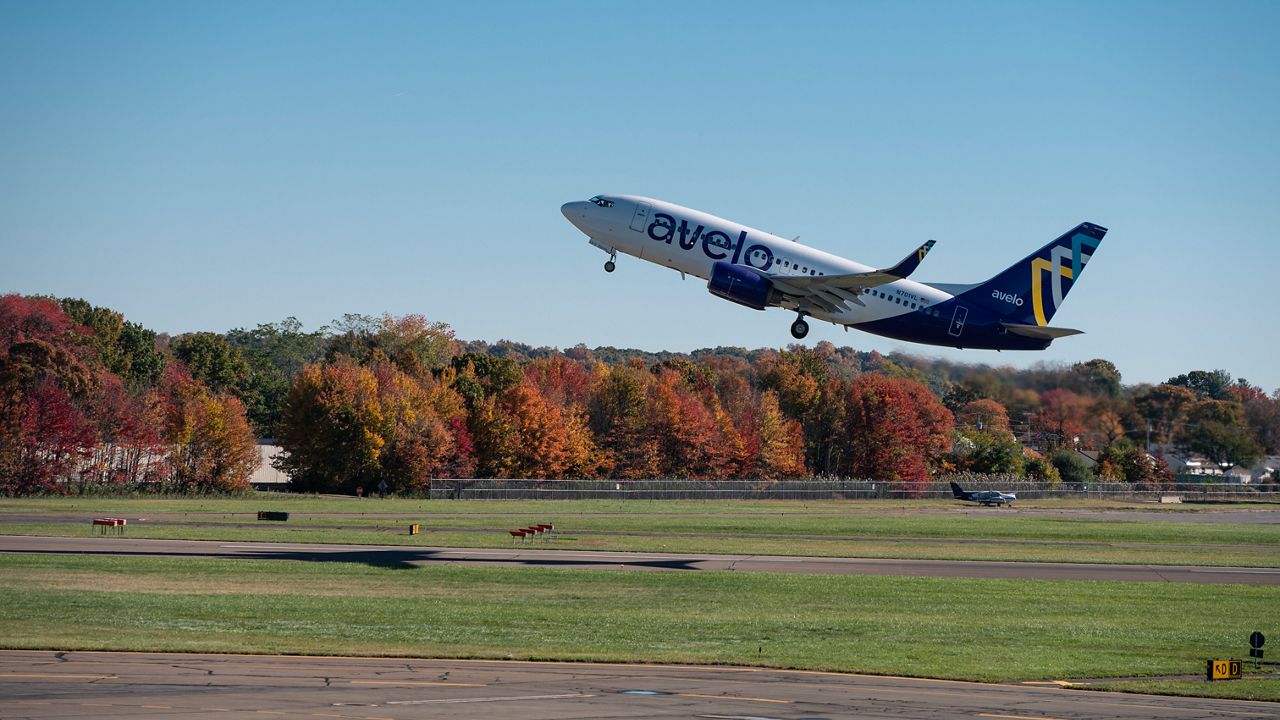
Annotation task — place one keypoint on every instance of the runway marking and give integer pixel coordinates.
(1015, 717)
(733, 697)
(1059, 683)
(510, 698)
(412, 682)
(58, 676)
(157, 707)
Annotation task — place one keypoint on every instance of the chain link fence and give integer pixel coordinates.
(827, 489)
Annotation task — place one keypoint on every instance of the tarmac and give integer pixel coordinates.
(96, 685)
(529, 556)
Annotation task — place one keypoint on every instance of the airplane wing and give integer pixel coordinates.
(831, 291)
(1043, 332)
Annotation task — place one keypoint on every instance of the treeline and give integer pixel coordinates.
(399, 401)
(89, 400)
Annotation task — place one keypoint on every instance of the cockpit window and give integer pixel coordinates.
(598, 200)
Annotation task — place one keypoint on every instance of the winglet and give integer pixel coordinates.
(910, 262)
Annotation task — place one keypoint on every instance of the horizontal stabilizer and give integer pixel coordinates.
(1042, 332)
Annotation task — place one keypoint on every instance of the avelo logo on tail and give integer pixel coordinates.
(1012, 299)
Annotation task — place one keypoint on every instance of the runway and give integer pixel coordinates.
(45, 684)
(408, 556)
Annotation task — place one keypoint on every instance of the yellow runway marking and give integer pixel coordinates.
(415, 682)
(733, 697)
(1059, 683)
(1016, 717)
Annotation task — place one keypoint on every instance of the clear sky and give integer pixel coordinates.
(205, 166)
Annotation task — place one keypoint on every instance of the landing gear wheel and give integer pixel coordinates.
(799, 328)
(610, 266)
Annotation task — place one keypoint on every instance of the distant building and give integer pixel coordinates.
(266, 477)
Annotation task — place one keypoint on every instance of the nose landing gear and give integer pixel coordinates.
(610, 266)
(799, 328)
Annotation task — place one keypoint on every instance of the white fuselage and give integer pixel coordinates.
(691, 241)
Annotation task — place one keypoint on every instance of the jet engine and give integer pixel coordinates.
(739, 284)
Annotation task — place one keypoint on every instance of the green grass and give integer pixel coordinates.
(337, 504)
(931, 627)
(885, 529)
(1246, 689)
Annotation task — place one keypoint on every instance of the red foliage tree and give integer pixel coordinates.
(894, 429)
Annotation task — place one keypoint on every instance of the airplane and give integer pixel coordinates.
(984, 497)
(756, 269)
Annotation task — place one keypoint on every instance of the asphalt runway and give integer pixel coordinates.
(408, 556)
(46, 684)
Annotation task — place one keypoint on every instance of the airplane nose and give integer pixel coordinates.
(567, 210)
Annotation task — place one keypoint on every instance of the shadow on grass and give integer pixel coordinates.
(395, 559)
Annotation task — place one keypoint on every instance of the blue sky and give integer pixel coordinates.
(204, 166)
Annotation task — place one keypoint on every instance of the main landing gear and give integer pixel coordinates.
(610, 266)
(799, 328)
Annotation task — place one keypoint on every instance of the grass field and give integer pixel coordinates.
(1246, 689)
(884, 529)
(341, 504)
(931, 627)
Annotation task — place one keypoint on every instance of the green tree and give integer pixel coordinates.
(1098, 377)
(988, 451)
(274, 353)
(1206, 385)
(1217, 430)
(1071, 468)
(211, 360)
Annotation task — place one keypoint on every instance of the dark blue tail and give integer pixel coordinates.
(1032, 290)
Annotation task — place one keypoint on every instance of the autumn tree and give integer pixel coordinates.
(332, 430)
(619, 420)
(1062, 417)
(1165, 408)
(781, 443)
(894, 428)
(983, 414)
(211, 446)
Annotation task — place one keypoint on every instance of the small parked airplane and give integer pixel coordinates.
(1011, 311)
(984, 497)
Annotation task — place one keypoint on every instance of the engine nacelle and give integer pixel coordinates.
(736, 283)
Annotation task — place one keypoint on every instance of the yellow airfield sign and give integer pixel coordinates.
(1228, 669)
